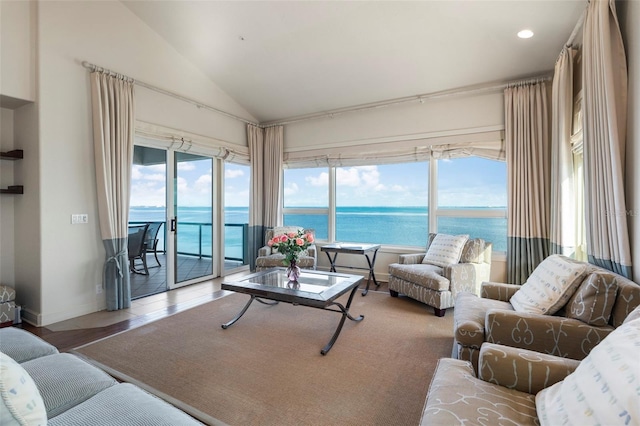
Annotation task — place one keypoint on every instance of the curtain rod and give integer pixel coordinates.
(408, 99)
(93, 67)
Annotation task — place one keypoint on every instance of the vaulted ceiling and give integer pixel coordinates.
(282, 59)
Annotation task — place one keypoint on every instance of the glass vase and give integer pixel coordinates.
(293, 272)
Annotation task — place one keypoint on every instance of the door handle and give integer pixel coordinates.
(174, 225)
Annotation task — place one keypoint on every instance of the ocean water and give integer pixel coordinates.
(405, 226)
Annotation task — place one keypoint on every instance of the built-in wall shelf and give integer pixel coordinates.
(14, 189)
(16, 154)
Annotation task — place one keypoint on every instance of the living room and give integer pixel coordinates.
(57, 267)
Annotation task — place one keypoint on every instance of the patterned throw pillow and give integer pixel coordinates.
(603, 390)
(20, 400)
(473, 251)
(445, 249)
(549, 286)
(593, 301)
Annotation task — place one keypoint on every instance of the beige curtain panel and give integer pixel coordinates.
(527, 136)
(265, 152)
(563, 206)
(112, 99)
(604, 108)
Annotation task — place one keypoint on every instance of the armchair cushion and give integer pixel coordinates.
(593, 301)
(604, 387)
(428, 276)
(549, 286)
(445, 249)
(457, 397)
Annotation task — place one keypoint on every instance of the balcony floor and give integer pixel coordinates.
(189, 267)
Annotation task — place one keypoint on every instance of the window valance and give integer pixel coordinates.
(165, 138)
(485, 144)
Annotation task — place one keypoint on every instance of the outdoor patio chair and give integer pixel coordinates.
(152, 240)
(136, 246)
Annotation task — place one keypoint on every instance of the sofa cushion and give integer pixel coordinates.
(603, 390)
(23, 346)
(123, 404)
(550, 286)
(65, 380)
(457, 397)
(593, 301)
(469, 318)
(20, 401)
(428, 276)
(445, 249)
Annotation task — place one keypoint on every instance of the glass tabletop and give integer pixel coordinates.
(312, 286)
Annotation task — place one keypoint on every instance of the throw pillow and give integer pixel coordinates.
(549, 286)
(20, 400)
(445, 249)
(593, 301)
(473, 251)
(603, 390)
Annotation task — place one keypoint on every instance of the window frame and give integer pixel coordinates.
(434, 213)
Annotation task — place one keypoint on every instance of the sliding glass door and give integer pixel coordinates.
(172, 195)
(193, 222)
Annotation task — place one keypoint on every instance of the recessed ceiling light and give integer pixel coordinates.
(525, 34)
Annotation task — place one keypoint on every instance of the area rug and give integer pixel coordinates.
(267, 369)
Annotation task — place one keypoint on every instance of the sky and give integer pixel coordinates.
(464, 182)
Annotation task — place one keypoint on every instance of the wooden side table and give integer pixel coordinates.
(362, 249)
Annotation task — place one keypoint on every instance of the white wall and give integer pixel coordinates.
(16, 39)
(106, 34)
(629, 14)
(7, 250)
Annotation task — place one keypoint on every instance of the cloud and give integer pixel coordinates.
(291, 189)
(321, 180)
(233, 173)
(186, 166)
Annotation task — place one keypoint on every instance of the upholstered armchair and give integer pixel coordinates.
(437, 284)
(585, 303)
(268, 257)
(523, 387)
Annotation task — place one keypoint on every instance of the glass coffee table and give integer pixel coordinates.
(314, 289)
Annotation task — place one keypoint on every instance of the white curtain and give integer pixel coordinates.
(563, 205)
(113, 109)
(604, 109)
(528, 179)
(265, 152)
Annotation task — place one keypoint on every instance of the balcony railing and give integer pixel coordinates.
(194, 241)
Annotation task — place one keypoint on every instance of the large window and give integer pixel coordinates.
(472, 199)
(383, 204)
(389, 203)
(306, 199)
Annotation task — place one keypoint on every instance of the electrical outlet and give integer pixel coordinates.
(98, 288)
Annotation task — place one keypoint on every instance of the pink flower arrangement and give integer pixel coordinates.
(291, 245)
